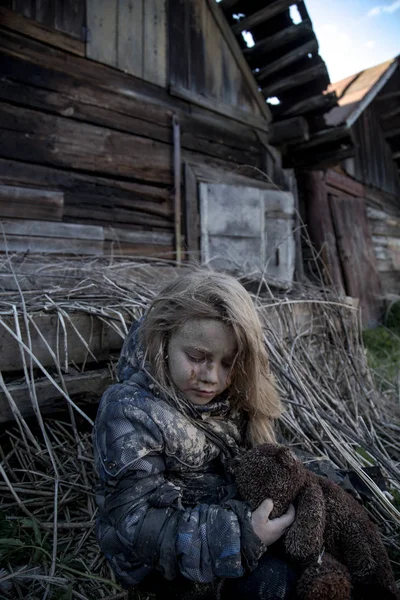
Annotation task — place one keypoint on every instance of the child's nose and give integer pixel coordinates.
(209, 373)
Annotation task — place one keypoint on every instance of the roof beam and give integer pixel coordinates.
(291, 131)
(308, 105)
(295, 32)
(291, 81)
(262, 15)
(287, 59)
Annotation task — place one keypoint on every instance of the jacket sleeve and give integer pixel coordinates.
(144, 508)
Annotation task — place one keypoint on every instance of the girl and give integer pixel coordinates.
(195, 387)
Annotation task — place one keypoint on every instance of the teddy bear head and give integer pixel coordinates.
(269, 471)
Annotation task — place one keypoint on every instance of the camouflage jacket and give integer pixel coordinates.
(165, 501)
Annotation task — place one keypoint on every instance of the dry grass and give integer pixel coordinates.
(47, 509)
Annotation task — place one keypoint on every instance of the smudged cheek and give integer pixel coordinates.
(192, 376)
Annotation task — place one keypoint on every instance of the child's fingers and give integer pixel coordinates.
(265, 509)
(287, 519)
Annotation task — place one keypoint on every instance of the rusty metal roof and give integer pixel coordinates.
(357, 91)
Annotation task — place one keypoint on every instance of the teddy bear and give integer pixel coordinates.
(336, 546)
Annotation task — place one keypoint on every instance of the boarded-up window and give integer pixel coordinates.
(247, 229)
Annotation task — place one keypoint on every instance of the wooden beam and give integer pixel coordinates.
(325, 136)
(90, 383)
(286, 60)
(262, 15)
(321, 101)
(281, 38)
(291, 81)
(191, 215)
(219, 107)
(320, 160)
(290, 131)
(238, 55)
(37, 31)
(31, 203)
(226, 4)
(396, 155)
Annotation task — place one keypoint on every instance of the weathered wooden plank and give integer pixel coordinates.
(357, 255)
(138, 237)
(89, 104)
(99, 337)
(101, 19)
(289, 131)
(81, 146)
(142, 251)
(53, 230)
(287, 59)
(320, 227)
(94, 190)
(45, 13)
(178, 29)
(295, 80)
(70, 17)
(345, 184)
(285, 36)
(316, 103)
(155, 42)
(31, 203)
(219, 107)
(90, 384)
(262, 15)
(240, 60)
(191, 215)
(39, 31)
(130, 43)
(49, 237)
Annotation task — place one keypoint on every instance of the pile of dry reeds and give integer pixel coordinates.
(47, 508)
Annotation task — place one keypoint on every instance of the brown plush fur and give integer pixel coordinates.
(327, 520)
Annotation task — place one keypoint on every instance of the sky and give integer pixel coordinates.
(355, 34)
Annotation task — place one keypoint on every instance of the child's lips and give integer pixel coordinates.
(204, 393)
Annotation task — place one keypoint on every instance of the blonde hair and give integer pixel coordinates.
(204, 294)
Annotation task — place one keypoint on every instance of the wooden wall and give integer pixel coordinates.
(83, 143)
(373, 163)
(384, 220)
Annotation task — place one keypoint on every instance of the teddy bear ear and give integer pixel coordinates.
(285, 456)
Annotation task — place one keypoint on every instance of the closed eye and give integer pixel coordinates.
(196, 359)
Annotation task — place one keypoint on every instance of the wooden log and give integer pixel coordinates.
(99, 338)
(31, 203)
(90, 189)
(320, 159)
(295, 80)
(321, 102)
(290, 131)
(90, 384)
(43, 236)
(34, 29)
(82, 146)
(219, 107)
(287, 35)
(261, 16)
(286, 60)
(324, 137)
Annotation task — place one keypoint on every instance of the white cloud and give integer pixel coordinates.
(370, 44)
(381, 8)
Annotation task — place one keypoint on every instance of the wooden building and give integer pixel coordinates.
(134, 126)
(353, 210)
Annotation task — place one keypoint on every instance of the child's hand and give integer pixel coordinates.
(270, 530)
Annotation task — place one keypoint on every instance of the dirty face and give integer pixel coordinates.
(200, 359)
